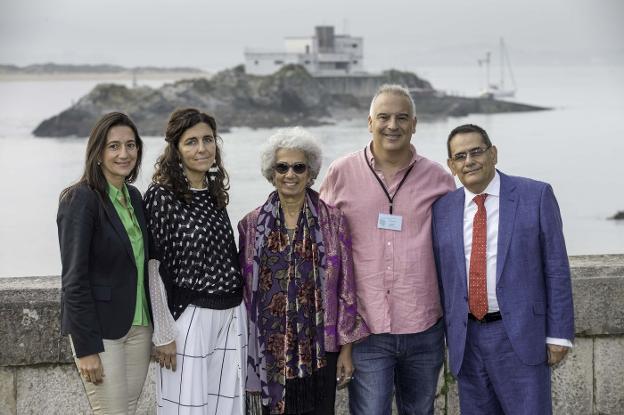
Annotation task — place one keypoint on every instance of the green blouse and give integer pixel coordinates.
(130, 223)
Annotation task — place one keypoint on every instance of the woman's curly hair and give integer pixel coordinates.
(169, 172)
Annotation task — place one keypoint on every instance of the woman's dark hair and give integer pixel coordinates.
(92, 175)
(169, 172)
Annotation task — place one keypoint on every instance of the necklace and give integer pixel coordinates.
(290, 241)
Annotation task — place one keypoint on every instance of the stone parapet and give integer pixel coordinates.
(37, 374)
(598, 284)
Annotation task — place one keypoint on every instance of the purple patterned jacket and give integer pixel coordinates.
(343, 324)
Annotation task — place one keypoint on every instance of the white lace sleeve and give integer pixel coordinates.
(164, 324)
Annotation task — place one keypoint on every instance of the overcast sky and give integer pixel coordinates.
(402, 34)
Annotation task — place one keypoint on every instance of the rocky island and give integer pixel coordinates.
(290, 96)
(618, 216)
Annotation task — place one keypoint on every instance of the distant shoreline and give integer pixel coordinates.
(102, 76)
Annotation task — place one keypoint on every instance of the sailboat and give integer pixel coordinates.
(500, 89)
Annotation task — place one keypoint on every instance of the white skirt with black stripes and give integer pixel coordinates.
(211, 364)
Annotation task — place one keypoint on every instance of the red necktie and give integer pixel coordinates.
(477, 295)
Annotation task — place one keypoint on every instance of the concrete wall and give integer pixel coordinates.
(37, 375)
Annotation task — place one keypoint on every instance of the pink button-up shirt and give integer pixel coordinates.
(396, 280)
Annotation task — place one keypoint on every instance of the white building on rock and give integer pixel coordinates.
(323, 54)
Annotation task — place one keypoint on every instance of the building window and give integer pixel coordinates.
(279, 62)
(307, 62)
(256, 62)
(355, 45)
(355, 62)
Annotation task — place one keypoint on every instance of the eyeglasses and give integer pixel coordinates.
(474, 153)
(282, 168)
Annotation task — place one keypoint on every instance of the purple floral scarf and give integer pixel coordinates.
(287, 299)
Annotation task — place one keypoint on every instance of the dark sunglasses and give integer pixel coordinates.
(298, 168)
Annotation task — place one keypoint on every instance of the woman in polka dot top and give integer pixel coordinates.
(199, 322)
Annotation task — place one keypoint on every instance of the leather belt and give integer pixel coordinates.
(488, 318)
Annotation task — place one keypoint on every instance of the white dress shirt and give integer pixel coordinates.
(492, 203)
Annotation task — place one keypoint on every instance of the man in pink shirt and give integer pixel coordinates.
(386, 191)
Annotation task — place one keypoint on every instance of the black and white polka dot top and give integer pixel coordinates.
(195, 246)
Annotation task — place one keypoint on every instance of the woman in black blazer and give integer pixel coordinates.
(103, 241)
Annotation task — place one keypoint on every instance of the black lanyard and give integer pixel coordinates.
(383, 186)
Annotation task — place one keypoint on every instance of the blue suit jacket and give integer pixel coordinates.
(532, 272)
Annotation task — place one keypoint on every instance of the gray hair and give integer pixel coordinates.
(395, 89)
(295, 138)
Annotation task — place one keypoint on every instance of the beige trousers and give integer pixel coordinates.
(125, 362)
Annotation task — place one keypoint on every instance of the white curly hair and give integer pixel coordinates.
(296, 138)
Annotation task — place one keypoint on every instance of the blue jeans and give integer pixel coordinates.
(409, 362)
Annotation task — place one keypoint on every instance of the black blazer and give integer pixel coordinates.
(99, 276)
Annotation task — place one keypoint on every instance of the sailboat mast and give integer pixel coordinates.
(511, 75)
(487, 70)
(502, 63)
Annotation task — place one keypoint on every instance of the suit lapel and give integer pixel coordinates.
(114, 219)
(457, 233)
(506, 219)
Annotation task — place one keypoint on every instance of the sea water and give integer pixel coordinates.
(578, 147)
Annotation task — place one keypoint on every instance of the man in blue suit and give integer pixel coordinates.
(504, 280)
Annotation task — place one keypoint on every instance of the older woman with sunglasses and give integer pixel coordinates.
(299, 289)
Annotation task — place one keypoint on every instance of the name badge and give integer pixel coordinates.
(390, 222)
